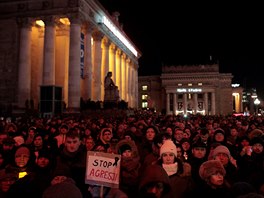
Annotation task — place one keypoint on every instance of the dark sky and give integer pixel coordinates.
(169, 33)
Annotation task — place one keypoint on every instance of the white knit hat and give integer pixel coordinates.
(168, 146)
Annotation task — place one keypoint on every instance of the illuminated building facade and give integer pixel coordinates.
(57, 50)
(190, 89)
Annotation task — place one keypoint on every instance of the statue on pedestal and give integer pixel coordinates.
(111, 90)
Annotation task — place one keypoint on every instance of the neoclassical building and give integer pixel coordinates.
(61, 50)
(190, 89)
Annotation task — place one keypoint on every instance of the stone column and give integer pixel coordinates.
(49, 52)
(105, 56)
(123, 79)
(206, 103)
(127, 80)
(167, 103)
(185, 103)
(74, 65)
(130, 81)
(213, 103)
(118, 81)
(174, 103)
(98, 82)
(132, 85)
(195, 102)
(87, 84)
(24, 64)
(136, 86)
(112, 61)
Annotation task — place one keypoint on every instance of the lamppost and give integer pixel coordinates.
(256, 103)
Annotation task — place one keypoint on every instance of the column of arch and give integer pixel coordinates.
(112, 60)
(24, 68)
(127, 95)
(123, 78)
(49, 51)
(87, 81)
(118, 70)
(74, 62)
(97, 91)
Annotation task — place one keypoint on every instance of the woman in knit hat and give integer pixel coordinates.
(212, 173)
(180, 181)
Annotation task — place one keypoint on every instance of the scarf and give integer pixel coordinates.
(170, 168)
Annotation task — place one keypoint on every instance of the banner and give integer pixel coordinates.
(103, 169)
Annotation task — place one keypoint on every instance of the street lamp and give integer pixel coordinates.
(256, 103)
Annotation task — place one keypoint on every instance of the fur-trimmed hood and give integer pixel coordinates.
(131, 144)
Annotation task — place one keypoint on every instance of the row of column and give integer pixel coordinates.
(101, 56)
(184, 103)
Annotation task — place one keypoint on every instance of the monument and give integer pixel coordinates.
(111, 94)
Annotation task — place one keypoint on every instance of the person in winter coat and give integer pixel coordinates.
(73, 158)
(62, 185)
(130, 165)
(154, 183)
(222, 154)
(251, 166)
(23, 167)
(213, 173)
(179, 175)
(7, 179)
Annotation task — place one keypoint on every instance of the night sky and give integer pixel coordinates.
(169, 33)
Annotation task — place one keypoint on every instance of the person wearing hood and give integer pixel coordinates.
(154, 183)
(103, 144)
(130, 165)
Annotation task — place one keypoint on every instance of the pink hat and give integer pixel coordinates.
(168, 146)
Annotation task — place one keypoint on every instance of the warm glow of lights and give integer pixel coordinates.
(235, 85)
(65, 21)
(119, 35)
(254, 95)
(256, 101)
(189, 90)
(40, 23)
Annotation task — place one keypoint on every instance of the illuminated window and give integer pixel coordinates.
(144, 97)
(179, 84)
(144, 87)
(189, 84)
(144, 104)
(200, 84)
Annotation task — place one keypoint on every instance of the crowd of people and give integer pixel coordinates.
(161, 155)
